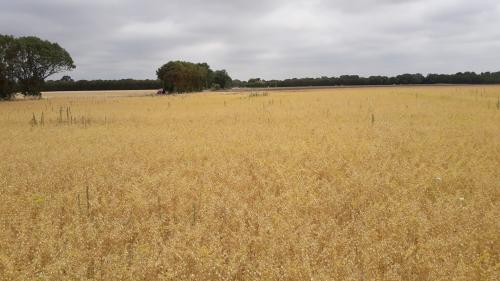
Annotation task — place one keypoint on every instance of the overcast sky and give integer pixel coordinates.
(111, 39)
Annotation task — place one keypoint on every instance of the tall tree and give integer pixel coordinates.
(7, 56)
(37, 59)
(182, 76)
(222, 78)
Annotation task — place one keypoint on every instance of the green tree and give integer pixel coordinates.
(208, 74)
(37, 59)
(410, 78)
(222, 78)
(7, 56)
(182, 76)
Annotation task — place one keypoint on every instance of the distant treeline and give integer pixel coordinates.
(355, 80)
(67, 84)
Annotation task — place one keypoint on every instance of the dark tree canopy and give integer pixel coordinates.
(7, 56)
(26, 62)
(182, 76)
(355, 80)
(37, 59)
(209, 74)
(97, 85)
(222, 79)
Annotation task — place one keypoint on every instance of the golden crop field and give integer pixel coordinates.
(395, 183)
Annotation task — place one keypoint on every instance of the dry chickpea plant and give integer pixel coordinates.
(385, 183)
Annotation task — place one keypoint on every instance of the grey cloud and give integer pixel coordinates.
(269, 39)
